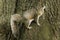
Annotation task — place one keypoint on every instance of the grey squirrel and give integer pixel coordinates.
(29, 15)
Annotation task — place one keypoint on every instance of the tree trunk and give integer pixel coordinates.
(50, 26)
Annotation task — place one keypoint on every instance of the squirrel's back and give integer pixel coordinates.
(29, 14)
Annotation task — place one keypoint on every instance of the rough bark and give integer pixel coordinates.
(50, 26)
